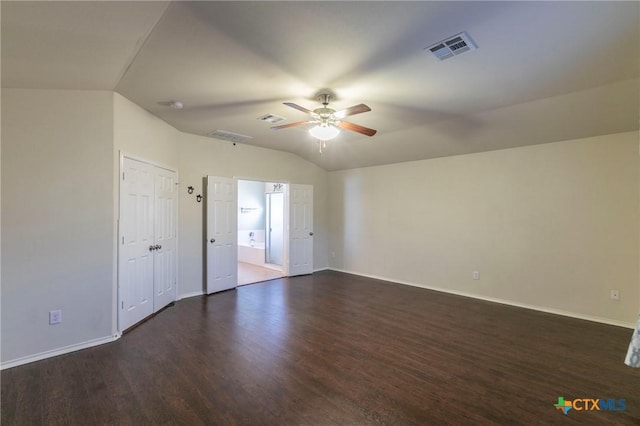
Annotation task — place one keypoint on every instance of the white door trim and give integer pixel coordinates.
(124, 154)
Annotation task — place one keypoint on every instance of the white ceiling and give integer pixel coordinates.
(543, 71)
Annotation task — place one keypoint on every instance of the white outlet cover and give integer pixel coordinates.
(55, 317)
(476, 275)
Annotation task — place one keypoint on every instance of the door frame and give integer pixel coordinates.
(285, 233)
(286, 267)
(122, 156)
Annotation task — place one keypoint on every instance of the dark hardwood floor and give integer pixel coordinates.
(333, 349)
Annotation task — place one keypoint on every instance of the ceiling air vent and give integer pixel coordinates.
(271, 118)
(452, 46)
(228, 136)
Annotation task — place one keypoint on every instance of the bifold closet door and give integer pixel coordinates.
(165, 238)
(147, 260)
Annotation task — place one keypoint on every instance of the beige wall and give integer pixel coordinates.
(551, 226)
(57, 225)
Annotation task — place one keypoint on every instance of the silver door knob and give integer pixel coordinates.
(311, 234)
(213, 240)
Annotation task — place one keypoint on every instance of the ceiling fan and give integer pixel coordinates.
(328, 121)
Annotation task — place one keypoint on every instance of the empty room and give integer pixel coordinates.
(320, 213)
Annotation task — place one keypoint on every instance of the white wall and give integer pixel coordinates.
(552, 226)
(57, 224)
(201, 156)
(139, 133)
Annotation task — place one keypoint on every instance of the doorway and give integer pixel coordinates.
(261, 232)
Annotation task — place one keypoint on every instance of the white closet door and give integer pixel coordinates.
(166, 201)
(222, 234)
(300, 229)
(135, 271)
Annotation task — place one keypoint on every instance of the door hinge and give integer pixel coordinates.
(122, 175)
(123, 240)
(122, 304)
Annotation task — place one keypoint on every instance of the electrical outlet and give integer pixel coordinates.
(615, 295)
(476, 275)
(55, 317)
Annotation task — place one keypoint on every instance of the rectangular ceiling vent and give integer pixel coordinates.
(452, 46)
(271, 118)
(229, 136)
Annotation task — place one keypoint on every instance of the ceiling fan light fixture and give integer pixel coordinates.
(324, 132)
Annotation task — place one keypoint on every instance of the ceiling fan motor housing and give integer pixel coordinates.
(324, 112)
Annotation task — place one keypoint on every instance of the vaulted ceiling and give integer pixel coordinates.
(543, 71)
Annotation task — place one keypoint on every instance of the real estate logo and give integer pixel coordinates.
(590, 404)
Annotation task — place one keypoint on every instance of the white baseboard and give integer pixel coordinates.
(326, 268)
(192, 294)
(501, 301)
(60, 351)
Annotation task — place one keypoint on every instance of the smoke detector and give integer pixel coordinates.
(229, 136)
(452, 46)
(271, 118)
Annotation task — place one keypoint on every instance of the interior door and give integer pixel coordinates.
(222, 234)
(135, 271)
(166, 202)
(300, 229)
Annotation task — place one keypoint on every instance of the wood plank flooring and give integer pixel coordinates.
(333, 349)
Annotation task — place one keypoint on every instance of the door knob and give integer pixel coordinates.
(152, 248)
(158, 246)
(213, 240)
(311, 234)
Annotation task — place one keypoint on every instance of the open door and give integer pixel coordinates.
(222, 234)
(300, 247)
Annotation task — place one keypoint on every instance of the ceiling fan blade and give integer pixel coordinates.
(356, 128)
(298, 107)
(356, 109)
(286, 126)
